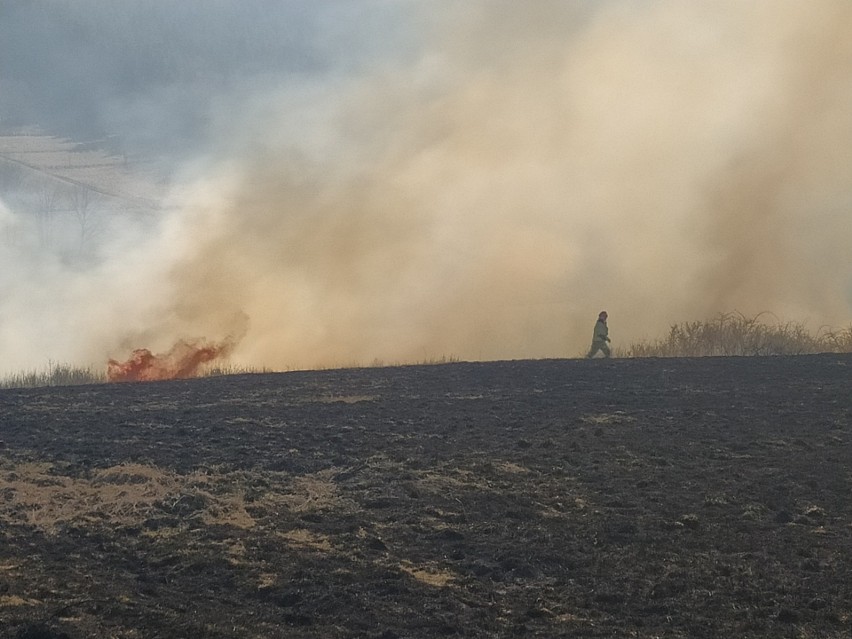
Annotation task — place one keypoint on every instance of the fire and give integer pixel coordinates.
(183, 360)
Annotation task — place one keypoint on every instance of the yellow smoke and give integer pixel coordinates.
(538, 163)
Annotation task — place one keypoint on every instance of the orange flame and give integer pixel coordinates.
(183, 360)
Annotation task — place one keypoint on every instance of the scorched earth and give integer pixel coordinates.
(559, 498)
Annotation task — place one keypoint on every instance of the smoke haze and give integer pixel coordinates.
(484, 189)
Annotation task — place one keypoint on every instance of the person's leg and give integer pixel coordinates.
(603, 347)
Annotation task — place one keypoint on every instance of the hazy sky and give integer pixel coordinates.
(403, 180)
(150, 71)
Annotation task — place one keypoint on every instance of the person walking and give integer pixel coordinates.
(600, 337)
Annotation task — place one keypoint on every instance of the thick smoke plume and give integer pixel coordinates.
(664, 160)
(533, 165)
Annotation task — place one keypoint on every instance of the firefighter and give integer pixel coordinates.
(600, 337)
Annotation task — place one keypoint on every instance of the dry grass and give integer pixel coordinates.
(37, 495)
(429, 574)
(41, 496)
(220, 370)
(12, 601)
(55, 374)
(735, 334)
(307, 540)
(313, 492)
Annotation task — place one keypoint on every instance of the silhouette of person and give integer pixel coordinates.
(600, 337)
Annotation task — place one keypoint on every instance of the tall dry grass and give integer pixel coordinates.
(734, 334)
(55, 374)
(68, 375)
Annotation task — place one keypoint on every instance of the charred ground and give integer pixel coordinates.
(564, 498)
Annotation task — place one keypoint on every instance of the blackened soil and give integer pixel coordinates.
(566, 498)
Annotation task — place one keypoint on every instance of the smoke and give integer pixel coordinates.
(534, 164)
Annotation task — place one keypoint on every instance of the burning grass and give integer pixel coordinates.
(184, 359)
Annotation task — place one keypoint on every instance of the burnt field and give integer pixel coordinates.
(564, 498)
